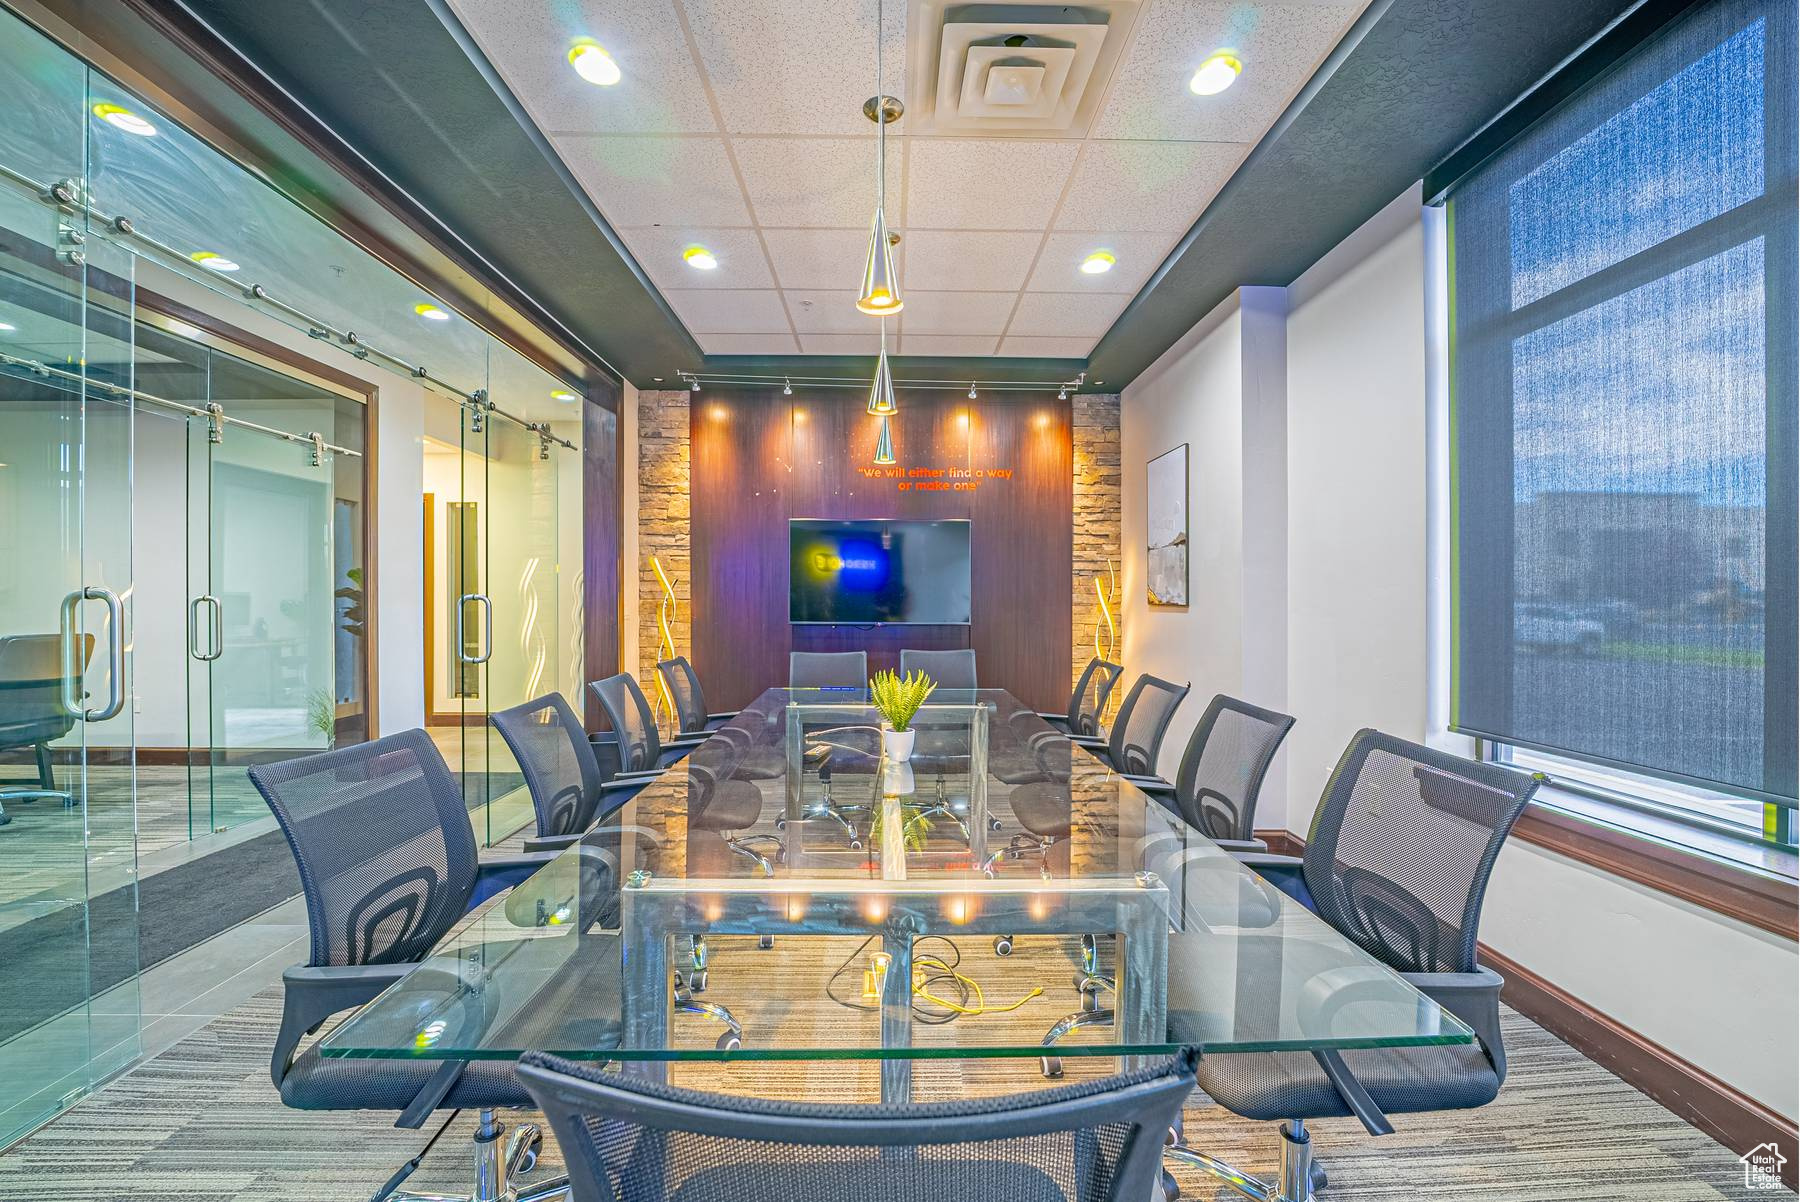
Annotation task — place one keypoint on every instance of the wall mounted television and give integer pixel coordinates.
(878, 572)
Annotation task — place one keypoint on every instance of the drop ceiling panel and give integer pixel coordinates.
(956, 312)
(657, 181)
(977, 260)
(717, 312)
(1146, 186)
(814, 182)
(736, 125)
(1281, 45)
(817, 259)
(660, 249)
(796, 66)
(1135, 257)
(1066, 314)
(659, 89)
(989, 184)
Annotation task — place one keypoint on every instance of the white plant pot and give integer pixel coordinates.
(897, 745)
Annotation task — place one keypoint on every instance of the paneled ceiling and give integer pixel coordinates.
(736, 125)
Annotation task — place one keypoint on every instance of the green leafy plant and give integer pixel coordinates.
(321, 715)
(899, 698)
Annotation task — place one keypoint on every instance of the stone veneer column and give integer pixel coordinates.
(663, 523)
(1096, 436)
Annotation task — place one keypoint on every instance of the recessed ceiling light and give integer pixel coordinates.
(431, 312)
(564, 397)
(1098, 263)
(1216, 74)
(213, 262)
(700, 258)
(123, 118)
(593, 63)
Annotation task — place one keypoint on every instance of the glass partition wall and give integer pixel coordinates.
(186, 525)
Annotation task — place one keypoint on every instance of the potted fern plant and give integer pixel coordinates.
(898, 698)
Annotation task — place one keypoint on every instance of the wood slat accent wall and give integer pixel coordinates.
(759, 458)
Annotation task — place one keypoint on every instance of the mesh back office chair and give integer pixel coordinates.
(627, 1139)
(1222, 771)
(683, 683)
(951, 669)
(1137, 733)
(32, 713)
(640, 746)
(1088, 700)
(1398, 860)
(561, 770)
(828, 669)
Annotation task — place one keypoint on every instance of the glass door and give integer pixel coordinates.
(471, 610)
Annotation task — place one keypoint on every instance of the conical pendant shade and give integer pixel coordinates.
(884, 443)
(881, 390)
(880, 293)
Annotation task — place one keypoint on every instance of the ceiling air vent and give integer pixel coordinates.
(1011, 69)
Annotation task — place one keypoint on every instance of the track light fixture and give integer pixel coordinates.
(1062, 394)
(787, 388)
(971, 390)
(694, 384)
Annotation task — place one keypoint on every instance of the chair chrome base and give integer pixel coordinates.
(1297, 1177)
(27, 793)
(496, 1167)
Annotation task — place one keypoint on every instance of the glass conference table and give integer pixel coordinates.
(789, 824)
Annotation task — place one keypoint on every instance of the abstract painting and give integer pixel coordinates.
(1167, 525)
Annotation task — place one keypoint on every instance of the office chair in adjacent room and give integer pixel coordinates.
(33, 712)
(388, 865)
(629, 1139)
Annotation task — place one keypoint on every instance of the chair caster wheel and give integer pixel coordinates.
(523, 1150)
(1317, 1176)
(993, 824)
(781, 824)
(1003, 945)
(697, 981)
(765, 942)
(1052, 1066)
(729, 1042)
(856, 845)
(1171, 1189)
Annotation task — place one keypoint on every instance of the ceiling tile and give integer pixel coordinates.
(982, 183)
(1146, 186)
(797, 66)
(947, 344)
(818, 259)
(659, 87)
(1135, 255)
(748, 344)
(1066, 314)
(705, 311)
(1280, 45)
(955, 312)
(832, 313)
(978, 260)
(841, 344)
(1047, 348)
(657, 181)
(814, 182)
(659, 250)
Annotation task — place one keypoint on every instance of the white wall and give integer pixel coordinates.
(1365, 592)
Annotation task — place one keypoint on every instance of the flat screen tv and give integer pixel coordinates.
(879, 572)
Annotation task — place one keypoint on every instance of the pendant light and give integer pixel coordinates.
(881, 389)
(880, 291)
(884, 443)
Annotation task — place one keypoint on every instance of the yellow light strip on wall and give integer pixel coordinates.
(665, 613)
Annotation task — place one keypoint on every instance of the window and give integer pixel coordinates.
(1624, 429)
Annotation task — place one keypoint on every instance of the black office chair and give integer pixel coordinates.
(32, 710)
(951, 669)
(640, 747)
(629, 1139)
(828, 669)
(1137, 733)
(388, 865)
(561, 770)
(1221, 775)
(683, 683)
(1397, 860)
(1088, 700)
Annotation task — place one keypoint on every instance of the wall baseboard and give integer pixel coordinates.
(1692, 1094)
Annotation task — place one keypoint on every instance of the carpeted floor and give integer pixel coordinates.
(201, 1122)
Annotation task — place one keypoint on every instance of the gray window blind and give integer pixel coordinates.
(1624, 415)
